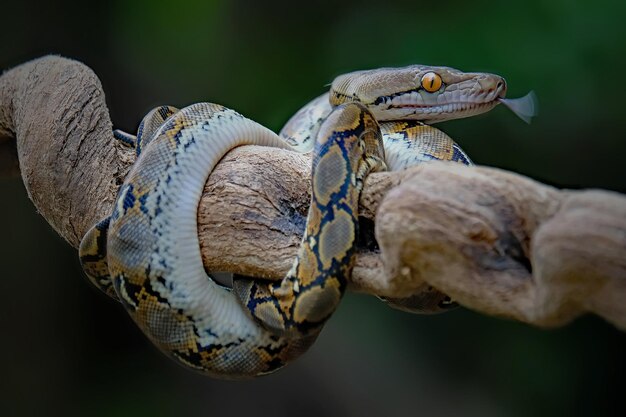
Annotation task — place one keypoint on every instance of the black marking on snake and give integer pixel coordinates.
(158, 209)
(119, 281)
(164, 112)
(196, 331)
(217, 346)
(405, 139)
(431, 157)
(341, 95)
(336, 205)
(336, 270)
(151, 291)
(196, 357)
(382, 99)
(148, 270)
(139, 142)
(162, 260)
(179, 135)
(129, 198)
(275, 351)
(459, 155)
(275, 363)
(140, 129)
(101, 243)
(256, 299)
(125, 139)
(142, 204)
(190, 143)
(163, 282)
(134, 290)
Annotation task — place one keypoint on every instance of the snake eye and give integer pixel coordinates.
(431, 82)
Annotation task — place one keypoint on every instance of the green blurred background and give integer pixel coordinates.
(67, 350)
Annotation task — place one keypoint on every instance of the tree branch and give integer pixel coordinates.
(495, 241)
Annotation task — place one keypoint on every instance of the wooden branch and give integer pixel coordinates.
(495, 241)
(70, 165)
(505, 245)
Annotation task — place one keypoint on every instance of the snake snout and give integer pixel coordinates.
(501, 87)
(491, 87)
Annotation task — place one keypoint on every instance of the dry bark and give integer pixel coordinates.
(495, 241)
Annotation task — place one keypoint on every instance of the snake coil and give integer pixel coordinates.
(146, 254)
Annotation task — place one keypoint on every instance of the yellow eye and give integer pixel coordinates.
(431, 82)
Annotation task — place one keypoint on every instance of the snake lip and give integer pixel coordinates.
(448, 108)
(435, 112)
(457, 105)
(467, 104)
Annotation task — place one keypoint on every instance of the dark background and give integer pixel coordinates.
(67, 350)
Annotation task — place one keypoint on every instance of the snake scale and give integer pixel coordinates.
(147, 254)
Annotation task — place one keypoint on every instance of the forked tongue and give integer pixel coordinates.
(524, 107)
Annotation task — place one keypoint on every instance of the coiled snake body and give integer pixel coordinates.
(147, 253)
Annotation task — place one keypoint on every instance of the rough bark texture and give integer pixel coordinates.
(495, 241)
(506, 245)
(69, 161)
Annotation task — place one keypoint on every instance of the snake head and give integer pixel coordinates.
(418, 92)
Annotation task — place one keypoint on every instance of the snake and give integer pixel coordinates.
(146, 254)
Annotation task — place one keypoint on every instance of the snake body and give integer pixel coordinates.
(147, 253)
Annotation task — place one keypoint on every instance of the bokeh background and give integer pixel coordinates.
(67, 350)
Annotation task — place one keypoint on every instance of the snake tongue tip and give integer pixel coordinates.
(525, 107)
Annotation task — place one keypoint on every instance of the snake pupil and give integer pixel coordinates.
(431, 82)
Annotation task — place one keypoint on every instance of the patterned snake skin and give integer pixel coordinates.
(147, 253)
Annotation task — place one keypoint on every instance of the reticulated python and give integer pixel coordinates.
(147, 253)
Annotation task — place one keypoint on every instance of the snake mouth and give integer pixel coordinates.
(453, 103)
(525, 108)
(448, 108)
(437, 112)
